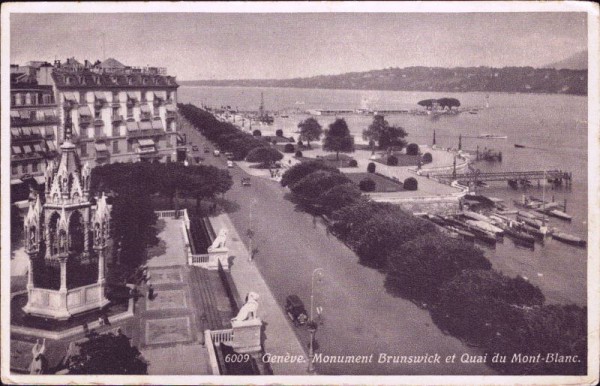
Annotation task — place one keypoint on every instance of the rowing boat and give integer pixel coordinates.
(569, 239)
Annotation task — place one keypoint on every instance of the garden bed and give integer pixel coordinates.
(403, 159)
(343, 162)
(382, 184)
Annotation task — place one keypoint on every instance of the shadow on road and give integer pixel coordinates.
(226, 205)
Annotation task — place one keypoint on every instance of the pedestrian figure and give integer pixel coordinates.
(150, 292)
(101, 321)
(86, 329)
(105, 319)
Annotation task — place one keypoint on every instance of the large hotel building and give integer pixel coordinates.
(117, 113)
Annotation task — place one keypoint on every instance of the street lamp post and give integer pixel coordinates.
(250, 232)
(312, 326)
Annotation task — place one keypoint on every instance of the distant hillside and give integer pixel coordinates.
(460, 79)
(578, 61)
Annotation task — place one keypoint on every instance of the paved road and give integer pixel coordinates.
(360, 318)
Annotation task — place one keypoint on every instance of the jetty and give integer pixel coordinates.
(557, 177)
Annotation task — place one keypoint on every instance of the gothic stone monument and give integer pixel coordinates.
(66, 240)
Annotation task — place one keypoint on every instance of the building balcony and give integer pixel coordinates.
(18, 122)
(145, 133)
(98, 122)
(145, 150)
(145, 116)
(85, 120)
(171, 115)
(117, 118)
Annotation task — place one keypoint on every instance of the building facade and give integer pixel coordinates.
(33, 123)
(119, 113)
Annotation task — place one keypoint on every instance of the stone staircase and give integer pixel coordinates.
(207, 313)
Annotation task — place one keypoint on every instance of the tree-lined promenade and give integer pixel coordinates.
(454, 281)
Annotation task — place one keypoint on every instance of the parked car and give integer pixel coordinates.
(216, 153)
(195, 148)
(229, 156)
(245, 181)
(295, 310)
(229, 164)
(206, 150)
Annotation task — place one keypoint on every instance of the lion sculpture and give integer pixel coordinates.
(248, 310)
(220, 240)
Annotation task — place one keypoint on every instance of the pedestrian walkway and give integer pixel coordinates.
(172, 321)
(280, 338)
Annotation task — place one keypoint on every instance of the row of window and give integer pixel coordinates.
(84, 147)
(98, 131)
(100, 96)
(31, 99)
(27, 167)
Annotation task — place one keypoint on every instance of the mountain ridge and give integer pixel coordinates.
(421, 78)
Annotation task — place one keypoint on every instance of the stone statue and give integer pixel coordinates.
(248, 310)
(38, 363)
(220, 240)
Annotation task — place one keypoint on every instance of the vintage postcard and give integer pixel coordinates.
(300, 193)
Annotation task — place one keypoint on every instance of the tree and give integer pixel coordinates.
(448, 102)
(204, 181)
(420, 266)
(427, 158)
(288, 148)
(367, 185)
(412, 149)
(427, 103)
(132, 225)
(377, 235)
(338, 138)
(410, 184)
(348, 218)
(371, 167)
(482, 305)
(310, 130)
(311, 186)
(302, 169)
(108, 354)
(265, 155)
(338, 197)
(279, 133)
(256, 133)
(385, 135)
(392, 160)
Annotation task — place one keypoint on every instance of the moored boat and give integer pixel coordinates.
(485, 226)
(531, 222)
(519, 146)
(521, 236)
(464, 234)
(569, 239)
(559, 214)
(491, 136)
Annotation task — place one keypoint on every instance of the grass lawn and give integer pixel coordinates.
(382, 184)
(403, 159)
(270, 138)
(330, 160)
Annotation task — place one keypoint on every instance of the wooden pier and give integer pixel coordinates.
(557, 177)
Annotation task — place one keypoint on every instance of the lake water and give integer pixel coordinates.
(553, 127)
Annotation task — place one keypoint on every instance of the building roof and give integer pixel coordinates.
(111, 63)
(92, 80)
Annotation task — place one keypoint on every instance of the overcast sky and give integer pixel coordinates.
(232, 46)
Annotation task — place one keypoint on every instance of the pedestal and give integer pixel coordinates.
(216, 255)
(246, 336)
